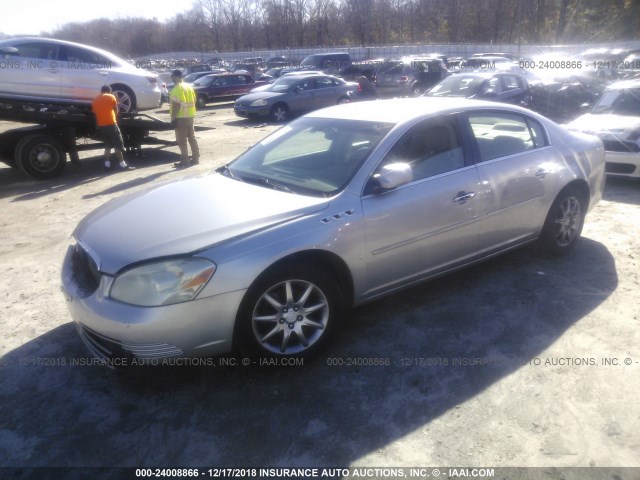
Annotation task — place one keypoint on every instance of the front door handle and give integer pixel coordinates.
(462, 197)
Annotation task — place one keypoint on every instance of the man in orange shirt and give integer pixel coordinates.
(105, 108)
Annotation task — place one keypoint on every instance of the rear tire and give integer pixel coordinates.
(417, 90)
(125, 97)
(564, 222)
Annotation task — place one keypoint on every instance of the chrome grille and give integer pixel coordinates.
(107, 348)
(621, 168)
(620, 146)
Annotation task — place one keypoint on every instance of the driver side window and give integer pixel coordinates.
(429, 148)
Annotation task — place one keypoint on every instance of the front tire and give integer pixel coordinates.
(201, 101)
(288, 313)
(279, 112)
(564, 222)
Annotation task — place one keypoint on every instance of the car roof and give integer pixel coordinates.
(105, 53)
(227, 74)
(302, 76)
(485, 74)
(403, 110)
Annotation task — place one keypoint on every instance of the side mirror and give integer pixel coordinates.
(392, 176)
(490, 94)
(9, 50)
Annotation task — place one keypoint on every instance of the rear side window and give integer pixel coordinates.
(79, 55)
(324, 82)
(503, 134)
(510, 82)
(239, 80)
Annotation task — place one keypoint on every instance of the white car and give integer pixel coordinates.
(615, 118)
(60, 71)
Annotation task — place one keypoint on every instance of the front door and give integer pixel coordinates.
(430, 224)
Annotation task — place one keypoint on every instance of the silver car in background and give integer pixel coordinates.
(615, 118)
(294, 94)
(44, 69)
(335, 209)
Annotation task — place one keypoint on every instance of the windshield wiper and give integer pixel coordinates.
(225, 168)
(269, 183)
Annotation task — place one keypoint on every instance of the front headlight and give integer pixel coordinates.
(259, 103)
(163, 283)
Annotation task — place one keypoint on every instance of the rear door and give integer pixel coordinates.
(518, 173)
(303, 96)
(83, 72)
(513, 90)
(430, 224)
(327, 92)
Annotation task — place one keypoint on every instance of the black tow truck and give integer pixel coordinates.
(41, 149)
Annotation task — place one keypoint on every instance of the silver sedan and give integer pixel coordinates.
(293, 94)
(337, 208)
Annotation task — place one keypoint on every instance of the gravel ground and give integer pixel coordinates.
(523, 360)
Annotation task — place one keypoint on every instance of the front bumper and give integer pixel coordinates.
(111, 329)
(622, 164)
(249, 111)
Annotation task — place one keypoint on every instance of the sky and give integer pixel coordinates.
(32, 17)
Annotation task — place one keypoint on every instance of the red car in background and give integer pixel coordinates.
(213, 87)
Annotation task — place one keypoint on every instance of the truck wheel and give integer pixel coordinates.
(41, 156)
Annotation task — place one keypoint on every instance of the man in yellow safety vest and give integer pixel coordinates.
(182, 101)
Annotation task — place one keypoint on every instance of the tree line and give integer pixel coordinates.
(245, 25)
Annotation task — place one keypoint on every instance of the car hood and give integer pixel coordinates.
(182, 217)
(605, 123)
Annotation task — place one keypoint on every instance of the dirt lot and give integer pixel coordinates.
(499, 365)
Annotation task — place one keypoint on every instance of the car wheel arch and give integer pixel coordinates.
(337, 269)
(553, 239)
(298, 268)
(121, 87)
(581, 186)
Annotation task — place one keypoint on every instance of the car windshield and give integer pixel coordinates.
(192, 77)
(310, 156)
(311, 61)
(620, 102)
(204, 81)
(283, 84)
(457, 86)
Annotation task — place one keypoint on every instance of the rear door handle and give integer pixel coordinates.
(541, 173)
(462, 197)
